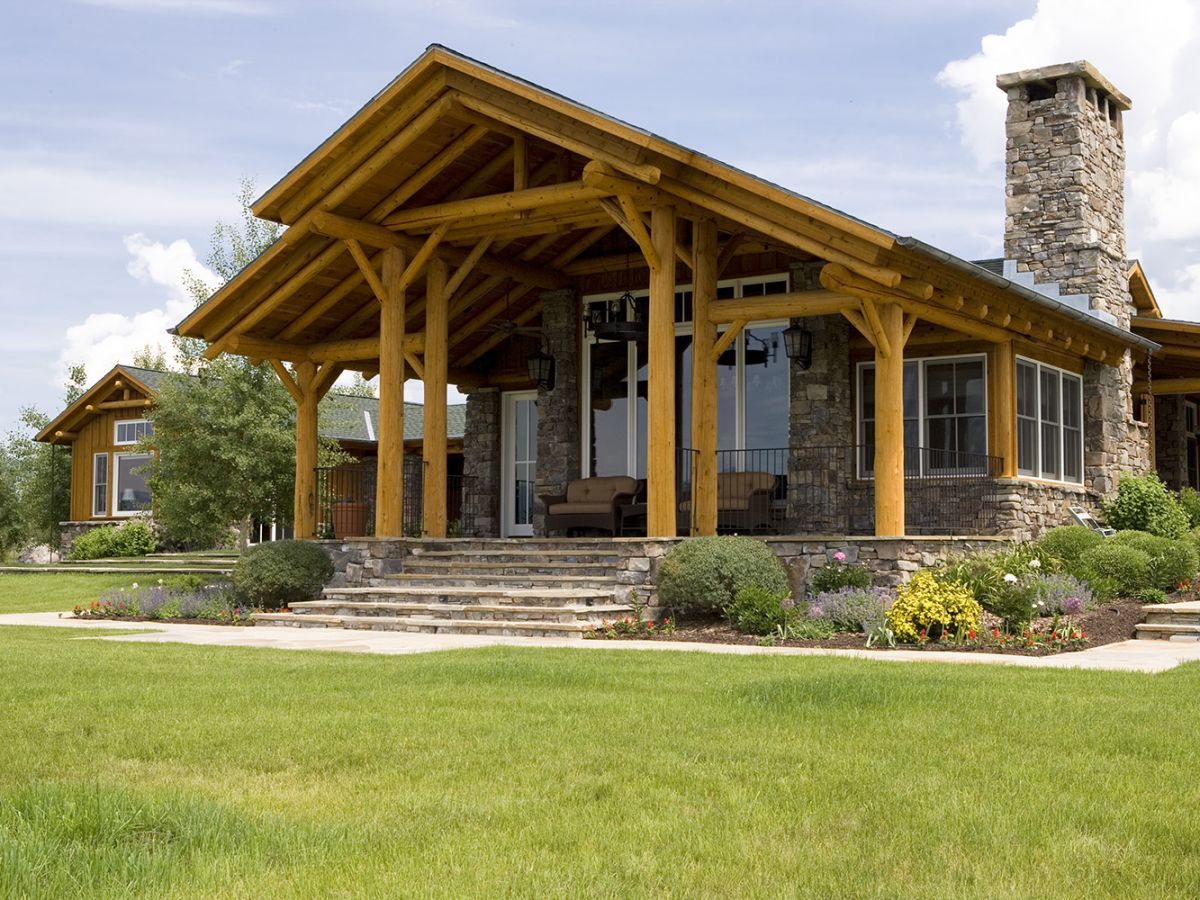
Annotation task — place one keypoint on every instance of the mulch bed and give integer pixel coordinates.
(1107, 624)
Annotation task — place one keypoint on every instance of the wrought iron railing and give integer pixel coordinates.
(831, 490)
(685, 470)
(346, 500)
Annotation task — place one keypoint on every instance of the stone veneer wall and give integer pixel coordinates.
(1170, 440)
(1065, 222)
(1027, 509)
(558, 435)
(481, 458)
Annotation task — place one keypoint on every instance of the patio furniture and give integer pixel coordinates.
(591, 503)
(743, 502)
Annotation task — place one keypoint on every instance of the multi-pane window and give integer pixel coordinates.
(1049, 422)
(100, 484)
(130, 431)
(945, 415)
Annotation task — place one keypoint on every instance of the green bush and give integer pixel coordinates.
(1126, 568)
(705, 574)
(984, 573)
(132, 538)
(1143, 503)
(273, 575)
(1068, 543)
(1171, 562)
(1189, 500)
(757, 610)
(838, 574)
(928, 606)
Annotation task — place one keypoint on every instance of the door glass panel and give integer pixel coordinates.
(727, 407)
(767, 397)
(610, 409)
(524, 459)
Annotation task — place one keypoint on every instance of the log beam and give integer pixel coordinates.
(889, 425)
(798, 304)
(661, 505)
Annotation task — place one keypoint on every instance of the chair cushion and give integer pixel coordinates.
(733, 487)
(576, 509)
(724, 504)
(601, 489)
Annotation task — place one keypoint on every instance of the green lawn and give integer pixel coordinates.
(168, 770)
(59, 592)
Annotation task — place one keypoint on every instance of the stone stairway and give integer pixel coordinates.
(1170, 622)
(530, 588)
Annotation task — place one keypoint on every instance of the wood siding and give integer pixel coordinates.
(96, 435)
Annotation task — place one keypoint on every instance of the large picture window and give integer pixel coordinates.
(131, 493)
(945, 415)
(100, 484)
(1049, 422)
(752, 389)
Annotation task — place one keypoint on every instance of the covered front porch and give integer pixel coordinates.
(614, 304)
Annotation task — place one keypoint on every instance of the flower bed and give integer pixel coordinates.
(195, 603)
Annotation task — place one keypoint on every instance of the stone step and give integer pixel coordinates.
(1167, 632)
(434, 567)
(1169, 615)
(431, 625)
(544, 596)
(490, 579)
(512, 612)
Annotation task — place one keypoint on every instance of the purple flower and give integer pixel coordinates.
(1072, 606)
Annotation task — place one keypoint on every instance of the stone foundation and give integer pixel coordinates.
(71, 532)
(481, 458)
(1027, 509)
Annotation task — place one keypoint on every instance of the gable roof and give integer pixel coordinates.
(351, 418)
(439, 134)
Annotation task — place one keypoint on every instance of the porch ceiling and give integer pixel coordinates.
(515, 187)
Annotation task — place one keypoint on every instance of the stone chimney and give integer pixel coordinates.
(1064, 231)
(1065, 183)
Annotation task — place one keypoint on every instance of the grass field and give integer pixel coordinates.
(59, 592)
(169, 770)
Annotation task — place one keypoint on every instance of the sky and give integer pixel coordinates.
(126, 126)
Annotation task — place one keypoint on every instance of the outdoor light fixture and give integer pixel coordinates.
(798, 345)
(759, 351)
(541, 370)
(617, 320)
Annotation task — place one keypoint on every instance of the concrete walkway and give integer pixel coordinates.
(1127, 656)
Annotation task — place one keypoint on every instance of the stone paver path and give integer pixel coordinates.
(1128, 656)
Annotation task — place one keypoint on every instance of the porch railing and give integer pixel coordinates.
(346, 501)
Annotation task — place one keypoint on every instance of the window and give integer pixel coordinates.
(1049, 422)
(130, 431)
(100, 484)
(131, 493)
(945, 414)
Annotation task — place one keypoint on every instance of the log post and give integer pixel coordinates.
(1004, 403)
(889, 423)
(305, 501)
(389, 486)
(704, 379)
(661, 513)
(433, 447)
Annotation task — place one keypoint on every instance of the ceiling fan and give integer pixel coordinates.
(508, 325)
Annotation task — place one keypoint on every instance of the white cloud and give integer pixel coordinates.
(1152, 54)
(104, 339)
(205, 7)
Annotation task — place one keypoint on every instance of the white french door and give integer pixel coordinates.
(518, 462)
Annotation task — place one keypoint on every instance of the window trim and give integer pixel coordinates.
(115, 477)
(96, 457)
(922, 421)
(117, 442)
(682, 329)
(1036, 475)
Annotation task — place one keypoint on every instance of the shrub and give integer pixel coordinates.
(1171, 562)
(1149, 595)
(1189, 501)
(1126, 568)
(1060, 593)
(1143, 503)
(927, 605)
(985, 573)
(838, 574)
(282, 572)
(1068, 543)
(133, 538)
(852, 608)
(757, 610)
(705, 574)
(1012, 600)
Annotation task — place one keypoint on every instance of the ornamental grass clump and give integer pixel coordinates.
(852, 608)
(927, 608)
(704, 575)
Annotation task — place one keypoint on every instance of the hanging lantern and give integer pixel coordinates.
(798, 345)
(617, 320)
(541, 370)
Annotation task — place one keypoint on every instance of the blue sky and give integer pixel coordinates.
(126, 125)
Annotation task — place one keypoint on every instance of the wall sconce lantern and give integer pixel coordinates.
(541, 370)
(798, 345)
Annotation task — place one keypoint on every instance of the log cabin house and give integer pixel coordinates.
(613, 303)
(104, 426)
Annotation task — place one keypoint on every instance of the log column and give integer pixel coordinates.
(889, 423)
(305, 500)
(1003, 375)
(704, 379)
(434, 441)
(389, 487)
(661, 504)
